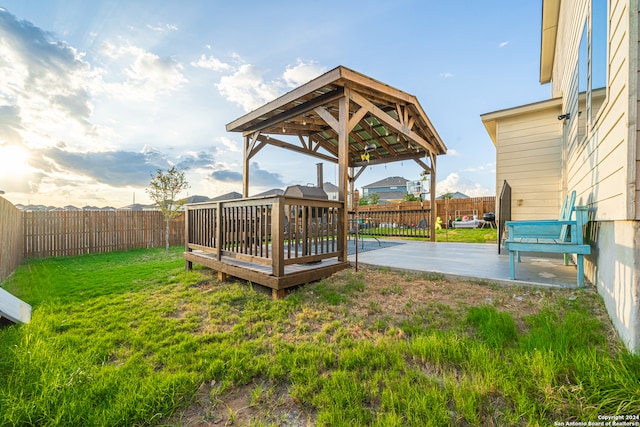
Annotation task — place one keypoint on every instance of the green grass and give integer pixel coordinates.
(459, 235)
(130, 338)
(468, 235)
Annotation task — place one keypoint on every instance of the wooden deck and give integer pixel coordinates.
(278, 241)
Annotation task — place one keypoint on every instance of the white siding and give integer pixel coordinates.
(598, 164)
(529, 158)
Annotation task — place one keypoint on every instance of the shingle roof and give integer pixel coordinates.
(392, 181)
(228, 196)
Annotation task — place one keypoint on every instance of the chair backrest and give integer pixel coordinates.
(565, 213)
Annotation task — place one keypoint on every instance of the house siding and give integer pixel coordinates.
(596, 162)
(529, 158)
(602, 158)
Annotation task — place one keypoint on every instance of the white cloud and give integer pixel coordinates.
(229, 143)
(301, 73)
(46, 84)
(146, 74)
(161, 28)
(211, 63)
(454, 182)
(452, 152)
(503, 44)
(487, 167)
(247, 87)
(446, 75)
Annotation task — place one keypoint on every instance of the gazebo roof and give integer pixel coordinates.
(385, 123)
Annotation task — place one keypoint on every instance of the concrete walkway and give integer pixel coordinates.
(464, 260)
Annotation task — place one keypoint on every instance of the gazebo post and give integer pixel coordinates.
(245, 168)
(432, 193)
(343, 169)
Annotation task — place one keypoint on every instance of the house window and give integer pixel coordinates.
(582, 61)
(598, 69)
(583, 75)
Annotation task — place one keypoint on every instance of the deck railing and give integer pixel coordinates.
(392, 222)
(273, 231)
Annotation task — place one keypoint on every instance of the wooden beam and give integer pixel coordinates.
(383, 160)
(253, 138)
(390, 121)
(328, 118)
(288, 146)
(423, 165)
(294, 111)
(353, 178)
(257, 148)
(357, 116)
(314, 85)
(304, 143)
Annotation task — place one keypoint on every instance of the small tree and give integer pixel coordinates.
(408, 197)
(374, 198)
(164, 189)
(364, 201)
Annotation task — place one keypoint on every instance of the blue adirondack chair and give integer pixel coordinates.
(563, 235)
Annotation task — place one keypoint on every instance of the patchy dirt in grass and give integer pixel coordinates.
(368, 303)
(259, 403)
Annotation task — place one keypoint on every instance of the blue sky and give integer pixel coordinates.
(97, 95)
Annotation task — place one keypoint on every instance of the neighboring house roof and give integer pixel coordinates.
(272, 192)
(329, 187)
(228, 196)
(393, 181)
(138, 207)
(196, 199)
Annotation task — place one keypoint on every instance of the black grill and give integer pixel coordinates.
(489, 216)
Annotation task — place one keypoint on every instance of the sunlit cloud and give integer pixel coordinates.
(503, 44)
(247, 88)
(301, 73)
(446, 75)
(455, 183)
(229, 144)
(146, 75)
(210, 63)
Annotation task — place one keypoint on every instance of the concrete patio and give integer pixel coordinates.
(467, 261)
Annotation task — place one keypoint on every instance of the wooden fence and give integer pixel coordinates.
(69, 233)
(11, 249)
(468, 206)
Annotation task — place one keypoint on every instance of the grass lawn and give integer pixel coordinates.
(460, 235)
(468, 235)
(130, 338)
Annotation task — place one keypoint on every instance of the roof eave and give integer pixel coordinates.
(550, 18)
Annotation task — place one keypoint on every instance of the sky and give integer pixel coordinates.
(97, 95)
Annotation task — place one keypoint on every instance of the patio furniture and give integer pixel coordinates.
(551, 236)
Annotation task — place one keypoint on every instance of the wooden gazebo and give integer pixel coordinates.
(342, 117)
